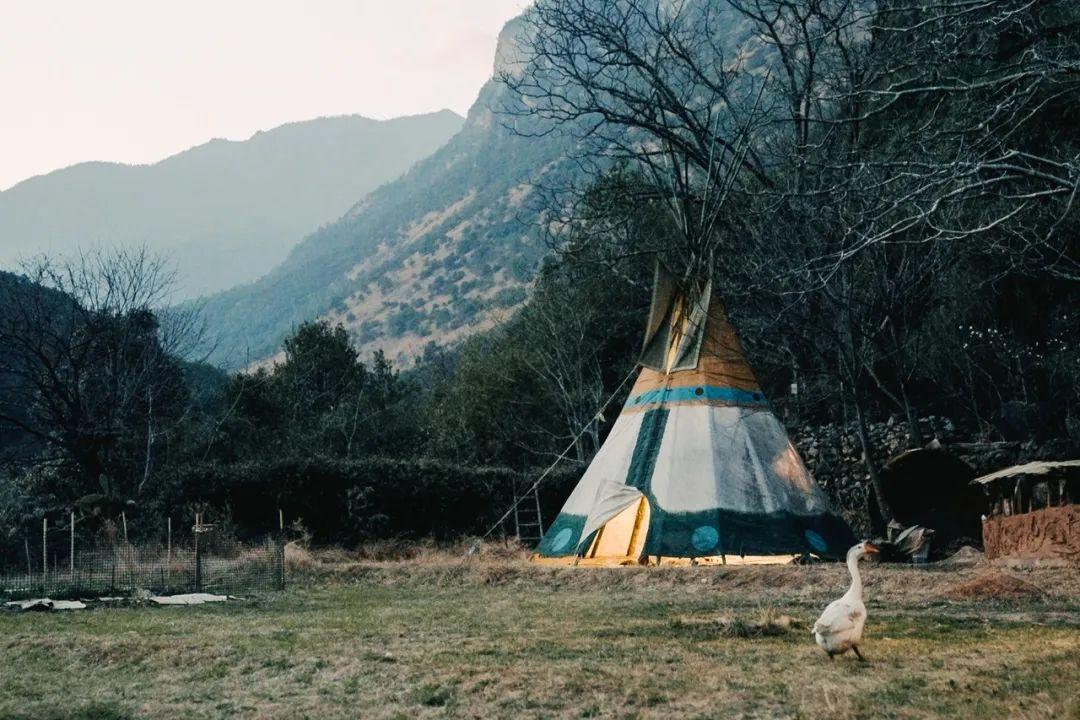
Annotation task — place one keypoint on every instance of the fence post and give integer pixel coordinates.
(44, 553)
(198, 554)
(281, 549)
(168, 553)
(29, 564)
(71, 558)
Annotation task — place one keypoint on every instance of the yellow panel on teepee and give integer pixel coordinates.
(622, 539)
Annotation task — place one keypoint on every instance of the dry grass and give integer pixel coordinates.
(425, 563)
(434, 636)
(993, 585)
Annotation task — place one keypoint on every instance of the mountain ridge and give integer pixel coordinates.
(229, 210)
(276, 130)
(442, 251)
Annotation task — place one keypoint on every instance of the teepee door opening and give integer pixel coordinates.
(621, 540)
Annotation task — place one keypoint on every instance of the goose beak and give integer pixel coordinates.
(870, 548)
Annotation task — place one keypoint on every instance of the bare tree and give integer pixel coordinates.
(561, 341)
(830, 154)
(651, 83)
(89, 369)
(909, 121)
(929, 123)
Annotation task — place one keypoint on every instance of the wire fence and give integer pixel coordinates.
(61, 562)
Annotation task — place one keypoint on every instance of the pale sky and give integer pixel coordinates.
(137, 80)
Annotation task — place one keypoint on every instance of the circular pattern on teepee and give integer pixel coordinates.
(816, 541)
(704, 538)
(561, 539)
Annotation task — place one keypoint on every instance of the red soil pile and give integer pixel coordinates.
(1052, 532)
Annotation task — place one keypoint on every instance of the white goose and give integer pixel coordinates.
(840, 627)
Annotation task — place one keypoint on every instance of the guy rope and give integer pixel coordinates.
(532, 489)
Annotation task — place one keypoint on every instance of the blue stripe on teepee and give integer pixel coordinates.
(647, 447)
(698, 393)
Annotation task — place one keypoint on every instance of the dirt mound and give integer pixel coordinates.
(993, 586)
(966, 555)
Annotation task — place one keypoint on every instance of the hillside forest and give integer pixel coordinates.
(884, 195)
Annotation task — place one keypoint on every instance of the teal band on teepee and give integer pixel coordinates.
(699, 393)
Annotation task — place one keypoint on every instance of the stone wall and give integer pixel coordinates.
(833, 454)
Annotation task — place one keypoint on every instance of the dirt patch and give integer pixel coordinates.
(993, 586)
(966, 555)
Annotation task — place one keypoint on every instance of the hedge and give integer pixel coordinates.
(343, 501)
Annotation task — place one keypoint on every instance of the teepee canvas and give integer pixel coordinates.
(696, 465)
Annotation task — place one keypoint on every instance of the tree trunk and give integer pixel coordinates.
(915, 435)
(149, 438)
(868, 461)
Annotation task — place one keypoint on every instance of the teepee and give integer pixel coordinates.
(696, 465)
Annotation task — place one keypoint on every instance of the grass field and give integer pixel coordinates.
(499, 638)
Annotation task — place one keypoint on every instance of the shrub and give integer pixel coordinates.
(362, 499)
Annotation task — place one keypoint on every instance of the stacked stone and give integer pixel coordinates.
(834, 455)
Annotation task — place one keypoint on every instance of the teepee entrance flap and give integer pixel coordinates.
(621, 539)
(613, 498)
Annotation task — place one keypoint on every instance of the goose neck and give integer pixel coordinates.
(856, 578)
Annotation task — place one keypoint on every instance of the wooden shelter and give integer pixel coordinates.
(1034, 511)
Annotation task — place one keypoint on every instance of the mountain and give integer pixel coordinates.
(226, 211)
(438, 253)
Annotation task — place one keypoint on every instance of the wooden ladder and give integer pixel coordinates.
(528, 524)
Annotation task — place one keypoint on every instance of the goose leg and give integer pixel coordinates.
(857, 653)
